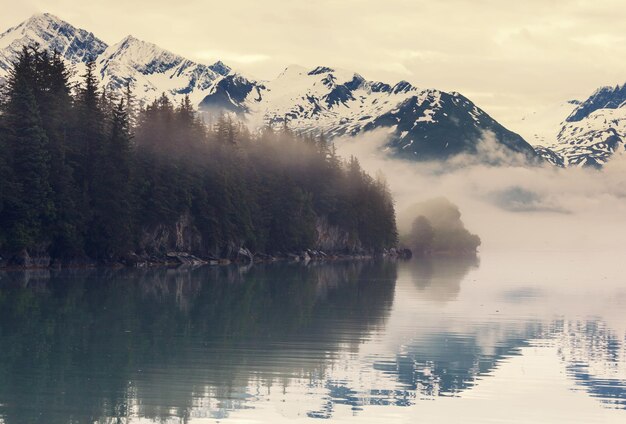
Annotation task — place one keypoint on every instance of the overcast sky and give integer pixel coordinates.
(510, 57)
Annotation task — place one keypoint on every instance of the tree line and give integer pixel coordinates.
(88, 173)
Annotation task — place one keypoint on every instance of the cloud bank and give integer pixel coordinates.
(511, 206)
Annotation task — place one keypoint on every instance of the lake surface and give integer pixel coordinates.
(525, 337)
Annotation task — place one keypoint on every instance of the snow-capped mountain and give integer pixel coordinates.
(421, 123)
(75, 45)
(593, 140)
(589, 134)
(596, 129)
(149, 69)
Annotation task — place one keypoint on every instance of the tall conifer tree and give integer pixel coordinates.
(30, 207)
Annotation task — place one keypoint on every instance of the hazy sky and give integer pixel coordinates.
(508, 56)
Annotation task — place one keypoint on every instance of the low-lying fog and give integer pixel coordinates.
(511, 206)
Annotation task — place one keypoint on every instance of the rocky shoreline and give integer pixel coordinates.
(181, 243)
(26, 260)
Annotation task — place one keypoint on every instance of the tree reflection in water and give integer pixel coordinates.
(101, 345)
(81, 345)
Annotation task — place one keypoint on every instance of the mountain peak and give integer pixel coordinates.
(402, 87)
(42, 18)
(36, 23)
(129, 39)
(609, 97)
(134, 51)
(53, 34)
(221, 68)
(150, 69)
(422, 124)
(153, 70)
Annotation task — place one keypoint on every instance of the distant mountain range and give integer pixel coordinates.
(422, 124)
(148, 68)
(581, 133)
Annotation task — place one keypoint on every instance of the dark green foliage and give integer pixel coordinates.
(55, 105)
(85, 173)
(110, 228)
(27, 206)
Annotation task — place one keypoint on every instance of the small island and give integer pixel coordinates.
(437, 230)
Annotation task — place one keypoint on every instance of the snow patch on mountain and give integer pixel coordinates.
(602, 98)
(593, 140)
(593, 131)
(542, 126)
(422, 123)
(73, 44)
(151, 71)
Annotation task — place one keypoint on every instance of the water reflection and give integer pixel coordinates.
(439, 278)
(595, 356)
(108, 345)
(78, 346)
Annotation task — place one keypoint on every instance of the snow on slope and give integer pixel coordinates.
(592, 132)
(150, 69)
(593, 140)
(338, 101)
(422, 123)
(542, 126)
(75, 45)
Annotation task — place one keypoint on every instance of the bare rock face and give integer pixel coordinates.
(38, 258)
(184, 258)
(181, 236)
(246, 254)
(332, 239)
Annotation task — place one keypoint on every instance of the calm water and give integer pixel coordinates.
(532, 337)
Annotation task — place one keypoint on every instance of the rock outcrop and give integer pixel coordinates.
(182, 243)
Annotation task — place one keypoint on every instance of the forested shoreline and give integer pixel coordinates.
(86, 175)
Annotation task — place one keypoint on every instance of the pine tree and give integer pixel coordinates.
(71, 180)
(30, 208)
(131, 106)
(89, 134)
(56, 106)
(185, 112)
(110, 228)
(7, 183)
(87, 150)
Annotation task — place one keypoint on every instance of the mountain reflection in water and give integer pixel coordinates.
(108, 345)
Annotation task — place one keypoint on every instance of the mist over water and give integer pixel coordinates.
(532, 330)
(510, 206)
(428, 339)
